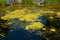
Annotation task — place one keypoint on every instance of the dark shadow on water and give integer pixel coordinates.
(21, 34)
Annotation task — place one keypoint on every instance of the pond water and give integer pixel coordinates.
(18, 26)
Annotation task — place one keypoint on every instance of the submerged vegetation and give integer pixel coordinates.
(41, 20)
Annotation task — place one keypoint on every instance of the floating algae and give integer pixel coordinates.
(29, 21)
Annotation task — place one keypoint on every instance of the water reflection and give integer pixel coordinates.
(17, 30)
